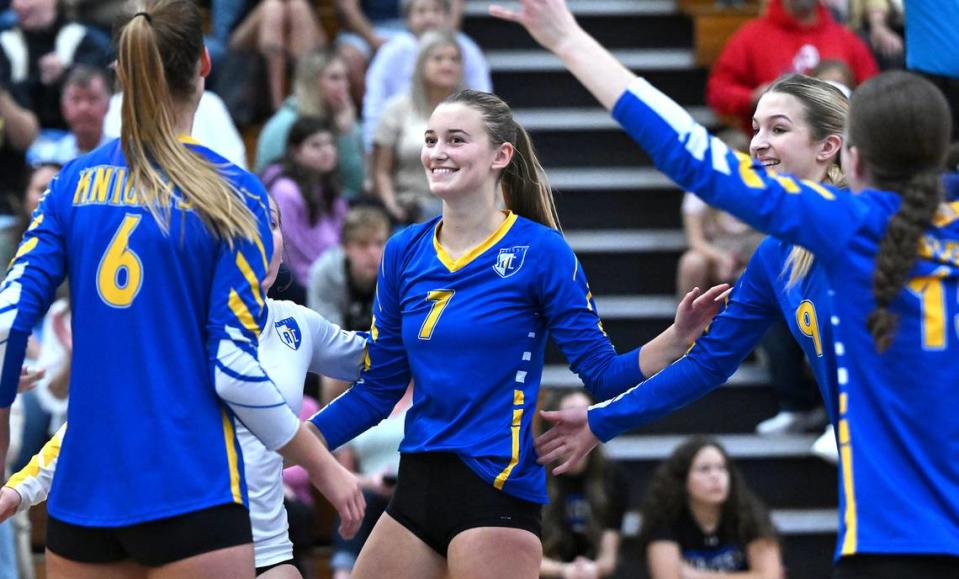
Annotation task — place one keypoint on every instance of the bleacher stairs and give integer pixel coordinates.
(622, 218)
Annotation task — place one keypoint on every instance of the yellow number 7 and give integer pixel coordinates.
(440, 299)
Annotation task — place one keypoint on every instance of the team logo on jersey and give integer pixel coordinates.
(509, 260)
(289, 332)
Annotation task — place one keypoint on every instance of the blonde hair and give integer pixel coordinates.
(310, 100)
(429, 42)
(825, 109)
(158, 44)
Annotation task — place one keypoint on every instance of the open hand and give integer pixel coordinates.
(549, 22)
(9, 503)
(568, 441)
(697, 310)
(29, 378)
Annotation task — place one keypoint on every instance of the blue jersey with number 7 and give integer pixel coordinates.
(149, 437)
(471, 333)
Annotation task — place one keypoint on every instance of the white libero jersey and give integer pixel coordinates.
(295, 340)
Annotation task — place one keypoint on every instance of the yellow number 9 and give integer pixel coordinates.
(809, 324)
(120, 258)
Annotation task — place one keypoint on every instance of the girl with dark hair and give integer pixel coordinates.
(888, 257)
(306, 187)
(582, 522)
(463, 306)
(701, 521)
(166, 244)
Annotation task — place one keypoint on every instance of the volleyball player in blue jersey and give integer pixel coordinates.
(166, 244)
(294, 340)
(463, 306)
(890, 254)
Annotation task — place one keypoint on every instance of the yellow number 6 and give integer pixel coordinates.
(120, 258)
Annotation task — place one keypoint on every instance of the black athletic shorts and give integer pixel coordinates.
(897, 567)
(437, 497)
(153, 543)
(265, 568)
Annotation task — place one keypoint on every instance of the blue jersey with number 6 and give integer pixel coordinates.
(149, 438)
(471, 333)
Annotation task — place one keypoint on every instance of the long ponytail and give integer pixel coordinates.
(526, 190)
(158, 45)
(899, 124)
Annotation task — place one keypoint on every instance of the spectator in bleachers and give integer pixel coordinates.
(700, 520)
(343, 280)
(836, 73)
(213, 127)
(321, 88)
(305, 186)
(86, 97)
(25, 202)
(282, 31)
(880, 22)
(932, 35)
(792, 36)
(18, 129)
(583, 521)
(391, 71)
(374, 457)
(36, 53)
(398, 176)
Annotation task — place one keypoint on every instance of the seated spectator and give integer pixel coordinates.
(304, 185)
(25, 203)
(321, 88)
(281, 31)
(399, 179)
(582, 522)
(212, 127)
(700, 519)
(18, 129)
(793, 35)
(391, 71)
(367, 25)
(375, 457)
(836, 73)
(86, 97)
(881, 23)
(343, 280)
(36, 53)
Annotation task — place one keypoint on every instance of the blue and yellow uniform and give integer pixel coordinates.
(760, 297)
(471, 333)
(898, 412)
(162, 324)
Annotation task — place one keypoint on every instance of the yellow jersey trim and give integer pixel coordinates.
(454, 265)
(518, 400)
(229, 436)
(247, 272)
(47, 454)
(242, 313)
(851, 536)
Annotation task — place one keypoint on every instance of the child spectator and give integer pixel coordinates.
(582, 522)
(305, 186)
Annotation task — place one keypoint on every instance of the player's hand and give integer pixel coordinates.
(568, 441)
(9, 503)
(342, 489)
(697, 310)
(29, 378)
(549, 22)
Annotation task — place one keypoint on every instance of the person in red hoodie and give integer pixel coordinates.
(792, 36)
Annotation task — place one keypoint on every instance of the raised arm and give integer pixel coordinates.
(800, 212)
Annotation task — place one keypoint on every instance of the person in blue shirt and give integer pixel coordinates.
(463, 306)
(890, 254)
(166, 244)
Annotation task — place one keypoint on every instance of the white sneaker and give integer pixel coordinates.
(792, 422)
(825, 446)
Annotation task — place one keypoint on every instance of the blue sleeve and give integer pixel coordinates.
(387, 369)
(732, 335)
(575, 325)
(35, 273)
(801, 212)
(237, 312)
